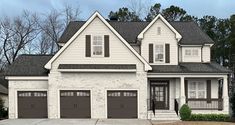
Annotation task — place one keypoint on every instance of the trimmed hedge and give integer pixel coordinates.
(185, 112)
(209, 117)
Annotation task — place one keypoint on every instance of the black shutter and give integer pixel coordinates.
(106, 45)
(150, 53)
(167, 53)
(186, 89)
(88, 46)
(208, 88)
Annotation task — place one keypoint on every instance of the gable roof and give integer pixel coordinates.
(177, 35)
(190, 68)
(191, 33)
(28, 65)
(96, 14)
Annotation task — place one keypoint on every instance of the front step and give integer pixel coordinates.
(163, 115)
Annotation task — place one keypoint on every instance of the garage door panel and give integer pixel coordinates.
(75, 104)
(122, 104)
(32, 104)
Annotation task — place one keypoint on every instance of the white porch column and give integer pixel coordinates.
(225, 94)
(182, 91)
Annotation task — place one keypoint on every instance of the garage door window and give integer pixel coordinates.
(25, 94)
(66, 94)
(114, 94)
(39, 94)
(130, 94)
(83, 94)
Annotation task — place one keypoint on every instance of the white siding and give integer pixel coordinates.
(186, 58)
(75, 52)
(22, 85)
(206, 53)
(166, 36)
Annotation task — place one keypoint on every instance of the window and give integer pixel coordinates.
(191, 52)
(159, 53)
(97, 46)
(158, 30)
(197, 89)
(188, 52)
(195, 52)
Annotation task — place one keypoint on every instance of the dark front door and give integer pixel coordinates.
(122, 104)
(32, 104)
(160, 94)
(75, 104)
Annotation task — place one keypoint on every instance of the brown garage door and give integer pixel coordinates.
(75, 104)
(122, 104)
(32, 104)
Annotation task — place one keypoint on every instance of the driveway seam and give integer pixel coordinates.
(150, 122)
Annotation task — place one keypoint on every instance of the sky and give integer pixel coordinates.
(218, 8)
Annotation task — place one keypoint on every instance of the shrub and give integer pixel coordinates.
(209, 117)
(185, 112)
(3, 111)
(232, 100)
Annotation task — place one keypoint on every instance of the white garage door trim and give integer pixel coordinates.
(16, 98)
(111, 89)
(58, 96)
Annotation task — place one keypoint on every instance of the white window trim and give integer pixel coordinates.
(154, 53)
(92, 55)
(197, 90)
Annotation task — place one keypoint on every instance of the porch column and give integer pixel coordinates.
(182, 91)
(225, 94)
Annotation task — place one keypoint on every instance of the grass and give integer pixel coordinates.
(193, 123)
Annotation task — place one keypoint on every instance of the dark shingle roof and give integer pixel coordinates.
(29, 65)
(190, 32)
(190, 68)
(97, 66)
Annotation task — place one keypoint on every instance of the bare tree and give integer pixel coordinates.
(140, 7)
(16, 34)
(54, 24)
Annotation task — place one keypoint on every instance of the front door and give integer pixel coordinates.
(160, 94)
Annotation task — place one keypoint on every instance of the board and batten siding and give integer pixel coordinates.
(206, 53)
(75, 52)
(167, 36)
(191, 58)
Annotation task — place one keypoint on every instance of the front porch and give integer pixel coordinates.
(203, 94)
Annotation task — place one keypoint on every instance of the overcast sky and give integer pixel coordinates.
(218, 8)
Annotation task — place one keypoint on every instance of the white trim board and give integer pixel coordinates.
(159, 16)
(97, 70)
(96, 14)
(26, 78)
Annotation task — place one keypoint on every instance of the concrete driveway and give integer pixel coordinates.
(75, 122)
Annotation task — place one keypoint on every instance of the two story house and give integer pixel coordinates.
(110, 69)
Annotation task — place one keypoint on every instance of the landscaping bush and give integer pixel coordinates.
(209, 117)
(185, 112)
(3, 111)
(232, 100)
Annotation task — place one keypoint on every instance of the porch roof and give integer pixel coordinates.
(190, 68)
